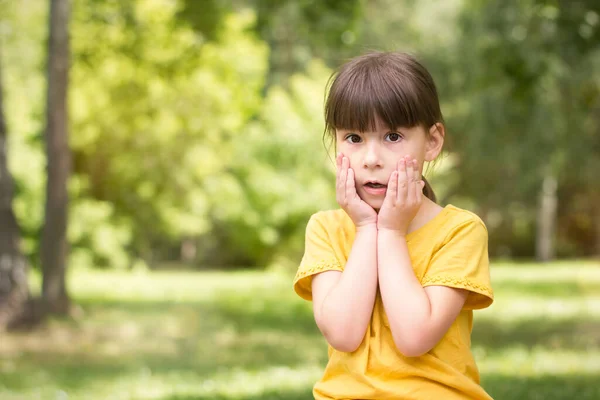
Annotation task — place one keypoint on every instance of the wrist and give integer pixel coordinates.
(367, 227)
(392, 233)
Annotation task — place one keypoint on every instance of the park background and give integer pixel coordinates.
(159, 163)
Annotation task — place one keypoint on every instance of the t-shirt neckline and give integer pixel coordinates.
(429, 224)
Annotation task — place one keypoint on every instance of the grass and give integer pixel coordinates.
(246, 336)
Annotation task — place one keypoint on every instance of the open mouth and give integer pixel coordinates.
(375, 185)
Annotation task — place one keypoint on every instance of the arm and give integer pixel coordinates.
(419, 317)
(343, 302)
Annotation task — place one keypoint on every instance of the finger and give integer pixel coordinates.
(418, 184)
(338, 163)
(338, 176)
(410, 170)
(402, 182)
(417, 176)
(343, 178)
(392, 188)
(350, 186)
(410, 176)
(407, 163)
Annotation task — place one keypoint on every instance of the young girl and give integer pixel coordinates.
(393, 277)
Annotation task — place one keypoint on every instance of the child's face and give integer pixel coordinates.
(374, 155)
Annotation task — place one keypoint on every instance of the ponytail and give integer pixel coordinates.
(428, 191)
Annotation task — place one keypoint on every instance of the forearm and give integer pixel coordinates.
(346, 310)
(405, 301)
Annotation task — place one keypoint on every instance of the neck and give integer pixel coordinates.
(426, 213)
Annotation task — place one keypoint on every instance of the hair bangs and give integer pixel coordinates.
(364, 98)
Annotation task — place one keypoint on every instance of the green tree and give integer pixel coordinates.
(295, 31)
(157, 106)
(280, 174)
(54, 246)
(524, 108)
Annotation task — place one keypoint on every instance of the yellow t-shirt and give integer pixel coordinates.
(449, 250)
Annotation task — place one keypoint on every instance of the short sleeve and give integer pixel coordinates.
(319, 256)
(462, 262)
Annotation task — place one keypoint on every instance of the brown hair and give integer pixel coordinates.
(392, 87)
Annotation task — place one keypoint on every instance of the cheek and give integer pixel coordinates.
(348, 152)
(354, 161)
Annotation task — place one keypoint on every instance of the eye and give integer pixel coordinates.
(393, 137)
(353, 138)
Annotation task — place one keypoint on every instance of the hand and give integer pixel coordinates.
(403, 198)
(360, 212)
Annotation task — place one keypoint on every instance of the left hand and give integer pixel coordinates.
(403, 198)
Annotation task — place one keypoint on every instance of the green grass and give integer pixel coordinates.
(246, 336)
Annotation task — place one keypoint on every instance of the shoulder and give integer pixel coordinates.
(329, 220)
(332, 226)
(461, 222)
(457, 216)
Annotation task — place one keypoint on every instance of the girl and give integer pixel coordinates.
(393, 277)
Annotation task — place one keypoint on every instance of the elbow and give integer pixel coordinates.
(344, 346)
(412, 346)
(343, 341)
(413, 351)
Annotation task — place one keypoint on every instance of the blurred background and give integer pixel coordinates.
(159, 160)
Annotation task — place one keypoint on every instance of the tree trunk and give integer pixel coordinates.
(188, 250)
(546, 220)
(14, 289)
(54, 233)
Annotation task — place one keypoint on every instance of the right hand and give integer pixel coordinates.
(360, 212)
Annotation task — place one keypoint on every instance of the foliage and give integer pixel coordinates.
(526, 109)
(22, 44)
(200, 122)
(296, 31)
(277, 177)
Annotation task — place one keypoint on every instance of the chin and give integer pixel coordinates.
(376, 205)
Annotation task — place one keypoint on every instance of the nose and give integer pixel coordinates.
(372, 156)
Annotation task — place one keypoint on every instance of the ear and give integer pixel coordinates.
(435, 141)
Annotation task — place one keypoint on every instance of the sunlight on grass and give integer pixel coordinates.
(256, 382)
(561, 271)
(512, 308)
(537, 361)
(247, 336)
